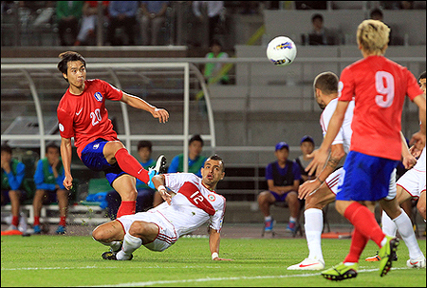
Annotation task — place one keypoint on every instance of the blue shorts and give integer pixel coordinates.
(280, 198)
(93, 157)
(365, 178)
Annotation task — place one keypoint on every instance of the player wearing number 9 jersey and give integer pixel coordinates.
(379, 87)
(82, 115)
(194, 203)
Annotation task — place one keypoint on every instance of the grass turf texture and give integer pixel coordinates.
(76, 261)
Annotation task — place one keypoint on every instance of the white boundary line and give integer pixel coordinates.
(199, 280)
(209, 279)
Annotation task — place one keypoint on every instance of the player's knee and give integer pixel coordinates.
(98, 234)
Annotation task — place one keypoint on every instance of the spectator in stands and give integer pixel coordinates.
(283, 178)
(306, 146)
(212, 70)
(319, 34)
(48, 178)
(122, 15)
(209, 11)
(153, 16)
(68, 14)
(87, 29)
(377, 14)
(144, 200)
(195, 162)
(12, 185)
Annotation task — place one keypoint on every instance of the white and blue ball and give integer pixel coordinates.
(281, 51)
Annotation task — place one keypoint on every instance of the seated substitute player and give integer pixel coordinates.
(49, 177)
(12, 184)
(318, 196)
(306, 146)
(412, 185)
(192, 203)
(82, 115)
(283, 178)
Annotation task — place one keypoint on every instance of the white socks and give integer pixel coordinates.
(404, 225)
(313, 218)
(130, 244)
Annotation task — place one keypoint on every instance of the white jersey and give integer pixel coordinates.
(344, 135)
(192, 206)
(421, 162)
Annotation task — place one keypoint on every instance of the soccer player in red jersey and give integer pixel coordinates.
(82, 115)
(379, 87)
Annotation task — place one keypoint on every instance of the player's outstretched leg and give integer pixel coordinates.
(386, 254)
(341, 272)
(159, 168)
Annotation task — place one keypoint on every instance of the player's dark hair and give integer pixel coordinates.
(317, 16)
(217, 158)
(142, 144)
(52, 145)
(422, 76)
(196, 138)
(327, 82)
(377, 12)
(6, 148)
(66, 57)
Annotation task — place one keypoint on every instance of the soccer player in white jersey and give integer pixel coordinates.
(326, 92)
(192, 203)
(412, 185)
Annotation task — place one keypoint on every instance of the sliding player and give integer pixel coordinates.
(194, 202)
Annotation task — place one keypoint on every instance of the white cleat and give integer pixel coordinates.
(416, 263)
(308, 264)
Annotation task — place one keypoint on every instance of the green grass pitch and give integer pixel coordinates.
(76, 261)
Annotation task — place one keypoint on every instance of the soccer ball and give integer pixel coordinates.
(281, 51)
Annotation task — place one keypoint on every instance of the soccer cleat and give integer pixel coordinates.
(268, 225)
(416, 263)
(292, 226)
(37, 229)
(160, 166)
(386, 254)
(308, 264)
(341, 272)
(110, 255)
(61, 230)
(377, 258)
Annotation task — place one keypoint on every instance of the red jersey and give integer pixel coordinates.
(84, 116)
(378, 86)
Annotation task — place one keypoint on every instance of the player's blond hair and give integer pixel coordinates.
(373, 36)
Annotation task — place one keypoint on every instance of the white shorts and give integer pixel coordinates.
(413, 182)
(166, 235)
(333, 179)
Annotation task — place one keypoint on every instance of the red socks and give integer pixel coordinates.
(131, 166)
(358, 243)
(62, 221)
(126, 208)
(365, 225)
(15, 220)
(36, 220)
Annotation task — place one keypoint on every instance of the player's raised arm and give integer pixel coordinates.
(214, 239)
(66, 154)
(320, 156)
(138, 103)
